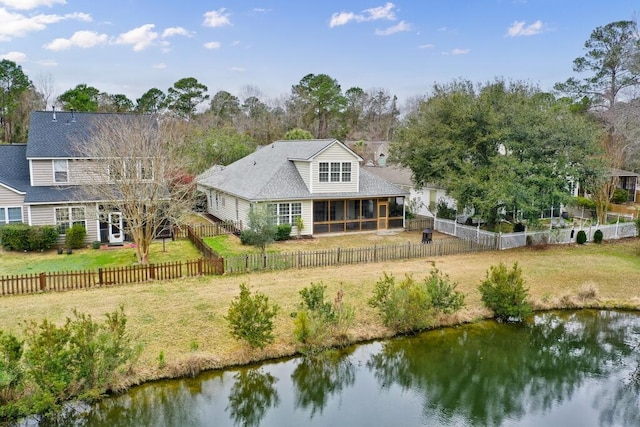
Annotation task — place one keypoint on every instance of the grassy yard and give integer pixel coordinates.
(229, 245)
(12, 263)
(184, 319)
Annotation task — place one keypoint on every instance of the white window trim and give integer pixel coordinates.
(65, 170)
(5, 209)
(70, 213)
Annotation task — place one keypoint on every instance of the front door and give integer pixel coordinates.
(383, 209)
(116, 235)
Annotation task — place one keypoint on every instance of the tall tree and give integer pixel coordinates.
(502, 146)
(322, 99)
(611, 70)
(216, 146)
(185, 95)
(354, 111)
(224, 108)
(151, 101)
(14, 84)
(81, 98)
(146, 181)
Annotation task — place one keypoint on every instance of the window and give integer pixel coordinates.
(131, 169)
(10, 215)
(324, 172)
(116, 168)
(146, 169)
(346, 172)
(334, 172)
(60, 171)
(66, 217)
(285, 213)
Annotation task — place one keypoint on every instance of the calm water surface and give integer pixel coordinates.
(559, 369)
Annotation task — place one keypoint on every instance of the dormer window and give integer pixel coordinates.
(61, 171)
(334, 172)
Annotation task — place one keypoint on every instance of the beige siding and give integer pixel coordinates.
(335, 153)
(45, 215)
(11, 199)
(41, 172)
(304, 169)
(307, 219)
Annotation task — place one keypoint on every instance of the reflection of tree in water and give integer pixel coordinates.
(158, 404)
(252, 394)
(316, 379)
(488, 373)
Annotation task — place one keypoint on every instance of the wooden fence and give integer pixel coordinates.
(339, 256)
(209, 230)
(69, 280)
(419, 223)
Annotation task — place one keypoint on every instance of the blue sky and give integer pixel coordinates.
(404, 46)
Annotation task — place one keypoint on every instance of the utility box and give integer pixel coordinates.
(427, 235)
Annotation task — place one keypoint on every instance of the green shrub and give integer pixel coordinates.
(318, 321)
(518, 227)
(444, 211)
(78, 359)
(597, 236)
(581, 237)
(620, 196)
(283, 232)
(11, 372)
(582, 202)
(74, 236)
(250, 318)
(23, 237)
(412, 306)
(503, 292)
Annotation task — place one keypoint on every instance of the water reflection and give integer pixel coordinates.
(490, 374)
(562, 368)
(316, 379)
(252, 394)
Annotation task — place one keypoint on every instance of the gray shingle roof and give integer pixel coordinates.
(14, 168)
(56, 139)
(269, 174)
(53, 194)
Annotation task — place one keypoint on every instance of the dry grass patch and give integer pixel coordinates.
(170, 317)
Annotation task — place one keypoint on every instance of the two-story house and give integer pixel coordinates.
(320, 181)
(43, 182)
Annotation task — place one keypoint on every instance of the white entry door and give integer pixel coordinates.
(116, 235)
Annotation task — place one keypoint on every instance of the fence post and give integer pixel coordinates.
(100, 278)
(338, 261)
(43, 281)
(152, 272)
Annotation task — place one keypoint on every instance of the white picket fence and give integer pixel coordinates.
(553, 236)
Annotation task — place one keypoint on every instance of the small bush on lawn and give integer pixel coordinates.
(581, 237)
(74, 236)
(318, 321)
(283, 232)
(503, 292)
(620, 196)
(597, 236)
(250, 318)
(411, 306)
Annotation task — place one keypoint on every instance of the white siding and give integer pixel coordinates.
(335, 153)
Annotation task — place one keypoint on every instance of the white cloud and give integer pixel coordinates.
(426, 46)
(16, 57)
(519, 28)
(83, 39)
(212, 45)
(399, 27)
(216, 18)
(457, 52)
(18, 25)
(47, 63)
(176, 31)
(373, 14)
(29, 4)
(159, 65)
(235, 43)
(141, 37)
(238, 69)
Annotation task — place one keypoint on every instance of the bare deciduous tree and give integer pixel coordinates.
(137, 171)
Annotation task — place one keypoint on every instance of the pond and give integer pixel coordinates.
(559, 369)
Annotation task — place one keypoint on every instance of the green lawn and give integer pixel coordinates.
(12, 262)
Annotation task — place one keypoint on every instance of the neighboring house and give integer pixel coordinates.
(320, 181)
(40, 182)
(422, 200)
(627, 181)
